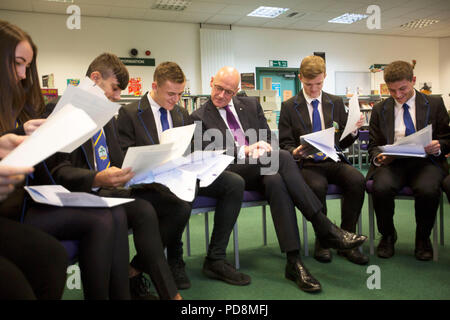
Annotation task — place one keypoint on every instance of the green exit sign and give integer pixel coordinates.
(278, 63)
(149, 62)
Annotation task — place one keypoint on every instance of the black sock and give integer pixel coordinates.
(293, 255)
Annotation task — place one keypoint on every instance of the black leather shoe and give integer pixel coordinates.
(337, 238)
(140, 288)
(423, 250)
(225, 271)
(179, 274)
(298, 273)
(354, 255)
(386, 248)
(321, 254)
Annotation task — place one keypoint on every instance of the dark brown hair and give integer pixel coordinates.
(19, 100)
(398, 71)
(108, 65)
(168, 71)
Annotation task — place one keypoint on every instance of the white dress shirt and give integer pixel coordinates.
(311, 109)
(399, 124)
(157, 115)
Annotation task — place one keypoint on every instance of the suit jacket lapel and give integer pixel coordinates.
(214, 115)
(302, 111)
(177, 117)
(146, 114)
(243, 119)
(327, 111)
(389, 120)
(421, 112)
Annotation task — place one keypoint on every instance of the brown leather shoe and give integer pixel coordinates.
(298, 273)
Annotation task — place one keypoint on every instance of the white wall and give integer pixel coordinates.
(67, 53)
(444, 69)
(344, 52)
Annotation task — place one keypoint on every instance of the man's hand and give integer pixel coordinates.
(31, 125)
(301, 151)
(383, 159)
(360, 123)
(257, 149)
(433, 148)
(112, 177)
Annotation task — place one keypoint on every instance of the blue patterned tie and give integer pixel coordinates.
(101, 151)
(317, 126)
(164, 121)
(409, 124)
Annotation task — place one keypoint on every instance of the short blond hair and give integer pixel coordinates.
(312, 66)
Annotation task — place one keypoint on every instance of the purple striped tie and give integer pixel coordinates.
(236, 130)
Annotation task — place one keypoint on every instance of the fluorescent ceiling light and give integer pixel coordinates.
(348, 18)
(267, 12)
(175, 5)
(61, 1)
(419, 23)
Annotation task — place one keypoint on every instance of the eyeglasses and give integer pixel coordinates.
(220, 89)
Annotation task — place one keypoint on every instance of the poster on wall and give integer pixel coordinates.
(49, 94)
(248, 81)
(135, 86)
(48, 81)
(73, 82)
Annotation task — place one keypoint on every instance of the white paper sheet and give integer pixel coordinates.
(180, 182)
(321, 141)
(354, 114)
(63, 130)
(57, 195)
(410, 146)
(90, 98)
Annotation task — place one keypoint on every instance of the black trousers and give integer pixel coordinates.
(103, 248)
(423, 176)
(285, 189)
(319, 174)
(157, 218)
(32, 263)
(228, 188)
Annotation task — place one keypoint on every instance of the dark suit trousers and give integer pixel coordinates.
(228, 188)
(319, 174)
(284, 189)
(423, 177)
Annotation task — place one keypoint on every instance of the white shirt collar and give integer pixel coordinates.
(411, 102)
(309, 99)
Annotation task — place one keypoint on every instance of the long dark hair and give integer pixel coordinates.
(19, 101)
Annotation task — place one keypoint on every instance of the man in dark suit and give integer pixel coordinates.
(404, 113)
(141, 123)
(313, 110)
(157, 219)
(224, 119)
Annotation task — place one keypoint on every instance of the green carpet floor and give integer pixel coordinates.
(401, 277)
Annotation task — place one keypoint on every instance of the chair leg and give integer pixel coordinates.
(264, 225)
(305, 236)
(360, 230)
(188, 240)
(435, 241)
(236, 246)
(371, 225)
(206, 231)
(441, 216)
